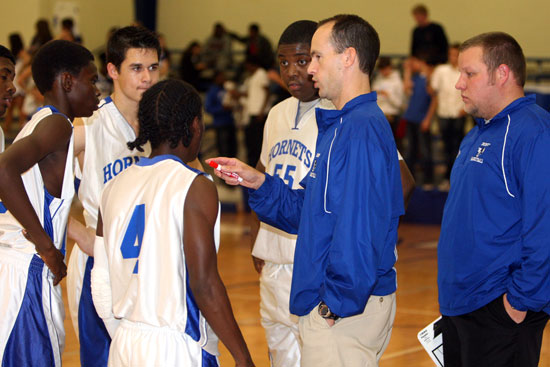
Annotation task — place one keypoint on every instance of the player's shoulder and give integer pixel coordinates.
(291, 103)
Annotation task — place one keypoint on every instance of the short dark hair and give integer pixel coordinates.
(298, 32)
(16, 43)
(166, 113)
(499, 48)
(4, 52)
(56, 57)
(67, 23)
(384, 62)
(353, 31)
(420, 9)
(130, 37)
(455, 45)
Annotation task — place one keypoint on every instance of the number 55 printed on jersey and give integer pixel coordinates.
(288, 175)
(131, 243)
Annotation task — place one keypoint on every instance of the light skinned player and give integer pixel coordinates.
(102, 152)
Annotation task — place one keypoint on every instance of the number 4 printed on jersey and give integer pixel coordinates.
(131, 243)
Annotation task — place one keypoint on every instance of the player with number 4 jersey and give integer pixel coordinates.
(155, 265)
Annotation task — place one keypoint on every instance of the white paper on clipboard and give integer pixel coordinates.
(431, 338)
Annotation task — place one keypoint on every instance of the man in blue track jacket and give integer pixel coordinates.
(494, 248)
(344, 280)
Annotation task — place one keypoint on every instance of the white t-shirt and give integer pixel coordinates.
(392, 103)
(449, 101)
(256, 88)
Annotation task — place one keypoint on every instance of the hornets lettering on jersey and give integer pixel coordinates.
(292, 147)
(119, 165)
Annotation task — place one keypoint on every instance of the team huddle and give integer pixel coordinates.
(329, 189)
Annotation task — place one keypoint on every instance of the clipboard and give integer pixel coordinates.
(431, 338)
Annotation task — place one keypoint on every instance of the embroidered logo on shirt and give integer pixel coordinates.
(480, 150)
(312, 173)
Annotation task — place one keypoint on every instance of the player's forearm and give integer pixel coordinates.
(82, 235)
(214, 304)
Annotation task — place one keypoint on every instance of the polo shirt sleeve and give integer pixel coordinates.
(529, 288)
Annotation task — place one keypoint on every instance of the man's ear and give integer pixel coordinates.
(503, 74)
(112, 71)
(350, 56)
(66, 81)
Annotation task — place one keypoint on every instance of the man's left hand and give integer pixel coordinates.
(517, 316)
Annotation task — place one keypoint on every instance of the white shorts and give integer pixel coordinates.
(31, 312)
(137, 344)
(281, 327)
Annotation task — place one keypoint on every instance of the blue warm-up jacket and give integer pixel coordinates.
(495, 235)
(347, 216)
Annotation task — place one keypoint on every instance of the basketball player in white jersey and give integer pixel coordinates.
(102, 152)
(288, 150)
(36, 188)
(155, 252)
(7, 89)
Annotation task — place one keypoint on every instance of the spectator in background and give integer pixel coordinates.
(191, 66)
(217, 50)
(256, 91)
(165, 62)
(22, 60)
(258, 46)
(104, 82)
(418, 115)
(222, 114)
(389, 87)
(428, 37)
(450, 108)
(42, 35)
(67, 31)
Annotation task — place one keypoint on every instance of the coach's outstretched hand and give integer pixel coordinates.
(251, 177)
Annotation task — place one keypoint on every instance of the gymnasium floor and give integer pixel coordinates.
(416, 295)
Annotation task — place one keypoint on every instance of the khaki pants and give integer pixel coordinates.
(356, 341)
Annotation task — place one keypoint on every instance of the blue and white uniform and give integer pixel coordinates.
(288, 150)
(140, 275)
(495, 236)
(31, 310)
(106, 155)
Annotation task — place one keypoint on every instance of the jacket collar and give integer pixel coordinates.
(325, 118)
(517, 104)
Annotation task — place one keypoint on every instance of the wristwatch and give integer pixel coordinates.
(325, 312)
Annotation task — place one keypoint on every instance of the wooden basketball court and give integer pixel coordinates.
(416, 295)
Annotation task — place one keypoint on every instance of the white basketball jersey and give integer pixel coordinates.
(288, 151)
(143, 213)
(107, 154)
(53, 212)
